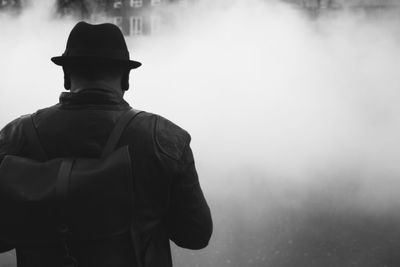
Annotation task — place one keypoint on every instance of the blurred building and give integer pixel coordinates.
(369, 4)
(365, 5)
(134, 17)
(75, 8)
(11, 5)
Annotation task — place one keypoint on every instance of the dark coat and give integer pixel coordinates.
(169, 201)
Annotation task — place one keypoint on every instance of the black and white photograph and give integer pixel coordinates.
(199, 133)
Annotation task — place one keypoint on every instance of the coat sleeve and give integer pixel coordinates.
(190, 223)
(9, 144)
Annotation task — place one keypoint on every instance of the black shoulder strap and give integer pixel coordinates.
(34, 141)
(33, 138)
(117, 131)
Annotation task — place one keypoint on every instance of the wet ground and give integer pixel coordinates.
(318, 231)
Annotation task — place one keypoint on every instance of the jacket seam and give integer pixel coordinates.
(22, 138)
(162, 150)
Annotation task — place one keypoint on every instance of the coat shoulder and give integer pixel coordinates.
(170, 138)
(10, 136)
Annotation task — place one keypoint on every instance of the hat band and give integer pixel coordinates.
(111, 54)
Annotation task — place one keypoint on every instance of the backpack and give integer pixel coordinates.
(62, 199)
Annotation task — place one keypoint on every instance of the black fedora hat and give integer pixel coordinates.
(88, 42)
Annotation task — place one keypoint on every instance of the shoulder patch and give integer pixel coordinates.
(170, 138)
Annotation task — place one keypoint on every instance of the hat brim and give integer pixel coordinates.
(64, 60)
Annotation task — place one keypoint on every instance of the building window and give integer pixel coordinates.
(118, 21)
(155, 2)
(7, 2)
(136, 3)
(311, 4)
(136, 27)
(117, 4)
(155, 24)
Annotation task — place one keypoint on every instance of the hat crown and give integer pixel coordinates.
(106, 36)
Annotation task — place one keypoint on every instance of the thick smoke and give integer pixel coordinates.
(294, 122)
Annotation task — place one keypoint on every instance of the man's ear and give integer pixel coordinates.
(125, 81)
(67, 79)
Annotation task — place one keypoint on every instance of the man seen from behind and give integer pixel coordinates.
(168, 203)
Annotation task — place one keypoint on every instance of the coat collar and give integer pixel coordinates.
(93, 98)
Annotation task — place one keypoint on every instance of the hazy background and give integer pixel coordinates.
(294, 122)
